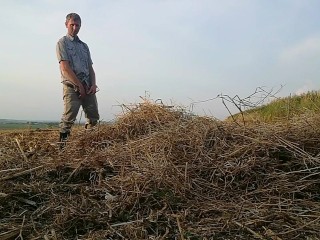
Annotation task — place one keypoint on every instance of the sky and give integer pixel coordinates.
(184, 52)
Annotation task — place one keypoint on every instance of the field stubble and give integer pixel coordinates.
(159, 173)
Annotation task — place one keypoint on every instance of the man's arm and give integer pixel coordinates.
(92, 75)
(71, 76)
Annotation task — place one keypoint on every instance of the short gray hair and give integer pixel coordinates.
(73, 16)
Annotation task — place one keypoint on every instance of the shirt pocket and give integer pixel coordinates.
(71, 51)
(84, 52)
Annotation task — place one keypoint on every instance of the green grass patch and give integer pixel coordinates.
(285, 108)
(14, 126)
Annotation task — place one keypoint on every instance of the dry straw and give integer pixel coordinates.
(161, 173)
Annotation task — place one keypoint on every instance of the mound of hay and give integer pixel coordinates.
(160, 173)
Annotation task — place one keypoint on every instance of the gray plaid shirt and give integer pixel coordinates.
(77, 53)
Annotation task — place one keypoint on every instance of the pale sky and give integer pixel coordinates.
(180, 51)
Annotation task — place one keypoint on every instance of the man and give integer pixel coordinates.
(78, 78)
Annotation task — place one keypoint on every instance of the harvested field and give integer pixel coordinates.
(158, 173)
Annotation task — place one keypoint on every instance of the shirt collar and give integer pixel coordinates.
(76, 38)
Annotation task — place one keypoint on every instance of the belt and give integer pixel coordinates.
(69, 84)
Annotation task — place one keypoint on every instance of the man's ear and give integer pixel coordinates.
(66, 23)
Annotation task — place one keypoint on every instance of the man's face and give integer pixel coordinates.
(73, 27)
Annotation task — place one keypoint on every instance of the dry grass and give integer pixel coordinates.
(157, 173)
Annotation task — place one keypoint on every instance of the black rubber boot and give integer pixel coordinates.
(63, 140)
(89, 126)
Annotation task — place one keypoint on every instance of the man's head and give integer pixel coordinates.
(73, 23)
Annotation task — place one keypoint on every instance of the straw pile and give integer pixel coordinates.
(159, 173)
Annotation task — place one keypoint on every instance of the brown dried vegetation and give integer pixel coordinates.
(158, 173)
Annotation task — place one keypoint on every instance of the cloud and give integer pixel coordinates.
(306, 50)
(305, 88)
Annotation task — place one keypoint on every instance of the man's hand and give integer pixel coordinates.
(68, 72)
(92, 90)
(82, 92)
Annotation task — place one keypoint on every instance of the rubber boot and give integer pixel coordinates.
(63, 140)
(90, 126)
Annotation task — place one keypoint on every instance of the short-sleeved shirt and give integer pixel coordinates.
(77, 53)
